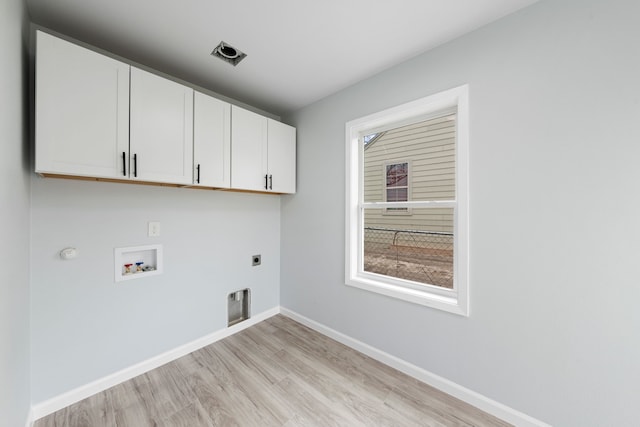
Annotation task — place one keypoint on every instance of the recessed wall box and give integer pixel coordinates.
(136, 262)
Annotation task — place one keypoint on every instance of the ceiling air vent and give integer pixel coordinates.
(228, 53)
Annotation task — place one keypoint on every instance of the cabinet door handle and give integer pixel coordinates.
(135, 165)
(270, 182)
(124, 163)
(198, 175)
(266, 182)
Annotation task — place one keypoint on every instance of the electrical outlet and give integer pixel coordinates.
(154, 228)
(256, 260)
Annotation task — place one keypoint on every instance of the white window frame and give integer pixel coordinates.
(454, 300)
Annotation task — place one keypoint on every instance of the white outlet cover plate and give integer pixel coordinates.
(154, 228)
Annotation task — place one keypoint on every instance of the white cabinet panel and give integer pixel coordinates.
(82, 111)
(211, 141)
(161, 140)
(281, 159)
(248, 150)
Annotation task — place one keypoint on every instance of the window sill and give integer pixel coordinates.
(445, 300)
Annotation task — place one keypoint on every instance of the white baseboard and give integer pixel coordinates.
(54, 404)
(469, 396)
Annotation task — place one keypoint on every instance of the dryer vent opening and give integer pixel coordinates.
(238, 306)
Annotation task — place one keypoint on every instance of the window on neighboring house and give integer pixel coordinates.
(396, 186)
(407, 222)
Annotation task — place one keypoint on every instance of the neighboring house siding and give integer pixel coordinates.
(429, 147)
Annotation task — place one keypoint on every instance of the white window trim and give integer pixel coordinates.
(454, 300)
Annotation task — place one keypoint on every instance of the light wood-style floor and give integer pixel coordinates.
(276, 373)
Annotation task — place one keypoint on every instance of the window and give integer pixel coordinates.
(396, 181)
(406, 220)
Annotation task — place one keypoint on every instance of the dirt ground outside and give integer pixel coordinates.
(429, 265)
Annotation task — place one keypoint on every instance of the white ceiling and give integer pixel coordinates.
(299, 51)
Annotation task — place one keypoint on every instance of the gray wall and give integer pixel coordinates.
(554, 205)
(85, 326)
(14, 211)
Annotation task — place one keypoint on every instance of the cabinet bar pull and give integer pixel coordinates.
(270, 182)
(266, 182)
(124, 163)
(135, 165)
(198, 176)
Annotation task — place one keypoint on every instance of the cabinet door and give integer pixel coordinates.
(161, 141)
(248, 150)
(82, 111)
(211, 141)
(281, 157)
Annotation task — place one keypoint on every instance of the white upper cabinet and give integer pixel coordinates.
(211, 142)
(263, 153)
(281, 157)
(82, 111)
(161, 139)
(102, 118)
(248, 150)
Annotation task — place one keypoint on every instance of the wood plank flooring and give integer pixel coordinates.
(276, 373)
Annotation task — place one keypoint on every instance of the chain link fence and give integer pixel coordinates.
(420, 256)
